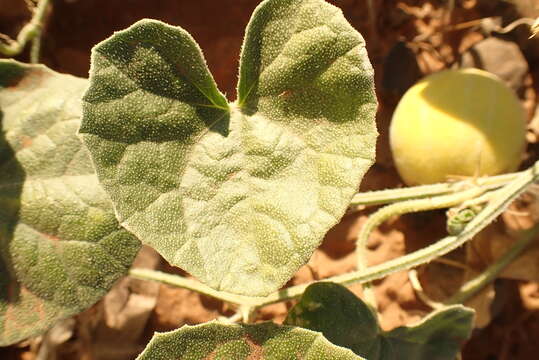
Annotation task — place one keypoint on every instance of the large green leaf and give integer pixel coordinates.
(242, 342)
(61, 247)
(237, 194)
(347, 321)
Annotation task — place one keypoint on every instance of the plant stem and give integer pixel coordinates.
(469, 289)
(29, 31)
(400, 208)
(381, 197)
(405, 207)
(248, 313)
(233, 319)
(372, 21)
(178, 281)
(35, 49)
(500, 200)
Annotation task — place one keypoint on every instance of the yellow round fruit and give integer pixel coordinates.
(457, 123)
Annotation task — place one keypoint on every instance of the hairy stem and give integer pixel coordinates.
(35, 49)
(376, 219)
(248, 313)
(178, 281)
(381, 197)
(232, 319)
(503, 198)
(401, 208)
(31, 30)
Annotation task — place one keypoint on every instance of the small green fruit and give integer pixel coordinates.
(457, 123)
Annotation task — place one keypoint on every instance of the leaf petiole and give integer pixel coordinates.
(381, 197)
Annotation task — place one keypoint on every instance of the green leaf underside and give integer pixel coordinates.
(347, 321)
(237, 194)
(61, 247)
(266, 341)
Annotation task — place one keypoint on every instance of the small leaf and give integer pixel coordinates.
(238, 194)
(337, 313)
(437, 337)
(61, 247)
(241, 342)
(347, 321)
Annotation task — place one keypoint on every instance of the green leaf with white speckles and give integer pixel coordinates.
(266, 341)
(347, 321)
(237, 194)
(61, 247)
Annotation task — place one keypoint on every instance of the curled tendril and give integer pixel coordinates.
(458, 218)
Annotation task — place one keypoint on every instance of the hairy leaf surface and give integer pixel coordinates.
(61, 247)
(347, 321)
(242, 342)
(238, 194)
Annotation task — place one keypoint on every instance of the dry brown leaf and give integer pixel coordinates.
(482, 304)
(52, 339)
(533, 127)
(397, 302)
(529, 293)
(441, 279)
(126, 311)
(119, 318)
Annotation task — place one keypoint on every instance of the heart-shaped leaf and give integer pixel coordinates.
(347, 321)
(241, 342)
(237, 194)
(61, 247)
